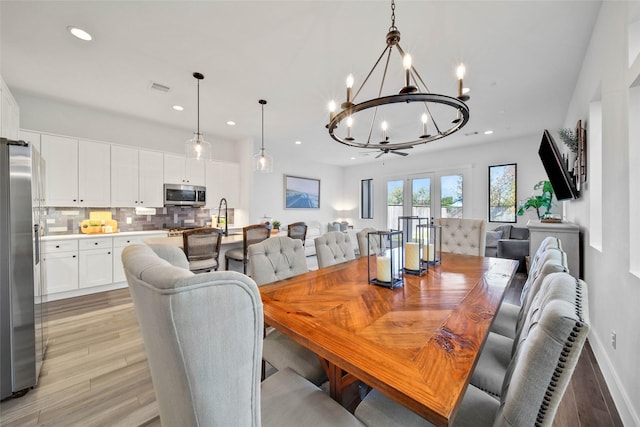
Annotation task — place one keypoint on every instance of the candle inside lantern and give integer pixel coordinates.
(383, 264)
(412, 256)
(429, 252)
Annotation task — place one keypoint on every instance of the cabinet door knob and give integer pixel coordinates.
(74, 256)
(109, 253)
(74, 200)
(57, 246)
(95, 243)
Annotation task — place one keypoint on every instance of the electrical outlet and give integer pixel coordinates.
(129, 220)
(613, 339)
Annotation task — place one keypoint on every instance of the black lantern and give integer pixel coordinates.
(385, 269)
(413, 244)
(431, 236)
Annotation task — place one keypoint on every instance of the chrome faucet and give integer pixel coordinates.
(226, 212)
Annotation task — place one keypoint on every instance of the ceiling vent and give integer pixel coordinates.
(160, 87)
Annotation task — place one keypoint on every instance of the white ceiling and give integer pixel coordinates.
(522, 60)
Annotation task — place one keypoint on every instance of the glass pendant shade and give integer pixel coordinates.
(197, 148)
(263, 161)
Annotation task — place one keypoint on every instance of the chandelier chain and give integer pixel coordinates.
(393, 16)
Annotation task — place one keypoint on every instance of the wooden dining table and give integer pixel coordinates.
(417, 344)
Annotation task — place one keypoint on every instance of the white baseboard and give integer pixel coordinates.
(620, 397)
(83, 291)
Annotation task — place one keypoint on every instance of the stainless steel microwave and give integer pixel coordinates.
(184, 195)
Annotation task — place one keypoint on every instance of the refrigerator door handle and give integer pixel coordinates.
(36, 235)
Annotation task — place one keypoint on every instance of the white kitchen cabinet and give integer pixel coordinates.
(60, 265)
(96, 262)
(222, 180)
(151, 178)
(94, 171)
(9, 113)
(136, 177)
(77, 172)
(60, 155)
(181, 170)
(119, 243)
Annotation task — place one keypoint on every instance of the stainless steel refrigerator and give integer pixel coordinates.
(21, 316)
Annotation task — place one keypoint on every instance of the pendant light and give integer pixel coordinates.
(262, 160)
(197, 148)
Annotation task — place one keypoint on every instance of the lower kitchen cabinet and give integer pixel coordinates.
(78, 266)
(96, 265)
(60, 271)
(60, 265)
(119, 243)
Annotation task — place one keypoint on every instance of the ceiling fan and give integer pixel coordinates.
(393, 151)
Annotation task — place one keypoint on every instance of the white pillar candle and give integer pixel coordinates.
(412, 256)
(383, 264)
(429, 252)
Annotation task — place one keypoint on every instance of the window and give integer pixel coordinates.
(425, 196)
(366, 199)
(634, 176)
(395, 203)
(502, 193)
(421, 197)
(451, 196)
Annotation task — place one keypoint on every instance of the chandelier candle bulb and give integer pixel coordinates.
(349, 86)
(406, 62)
(412, 256)
(460, 72)
(332, 110)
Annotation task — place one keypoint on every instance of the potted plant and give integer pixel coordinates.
(544, 200)
(276, 226)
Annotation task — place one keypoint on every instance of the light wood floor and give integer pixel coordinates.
(95, 373)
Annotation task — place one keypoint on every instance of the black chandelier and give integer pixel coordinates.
(400, 120)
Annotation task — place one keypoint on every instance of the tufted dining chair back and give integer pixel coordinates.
(463, 236)
(277, 258)
(333, 248)
(363, 241)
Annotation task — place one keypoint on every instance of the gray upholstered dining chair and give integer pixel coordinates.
(297, 230)
(548, 261)
(333, 247)
(200, 375)
(463, 236)
(251, 234)
(276, 259)
(202, 248)
(363, 240)
(538, 374)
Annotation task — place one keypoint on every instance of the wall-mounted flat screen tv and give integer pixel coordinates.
(561, 180)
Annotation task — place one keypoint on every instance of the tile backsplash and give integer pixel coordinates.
(58, 221)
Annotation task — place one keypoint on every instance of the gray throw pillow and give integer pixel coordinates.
(493, 237)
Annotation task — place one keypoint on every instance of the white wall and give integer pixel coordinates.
(267, 192)
(53, 116)
(614, 293)
(477, 158)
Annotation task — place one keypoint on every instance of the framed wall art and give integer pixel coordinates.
(301, 193)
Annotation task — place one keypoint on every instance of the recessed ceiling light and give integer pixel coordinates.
(298, 142)
(231, 123)
(353, 158)
(488, 132)
(79, 33)
(178, 107)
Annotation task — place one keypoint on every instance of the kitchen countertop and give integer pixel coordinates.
(177, 240)
(99, 235)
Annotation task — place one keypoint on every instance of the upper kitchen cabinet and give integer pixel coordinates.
(136, 177)
(222, 180)
(181, 170)
(9, 113)
(77, 173)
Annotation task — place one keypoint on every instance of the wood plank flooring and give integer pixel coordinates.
(96, 374)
